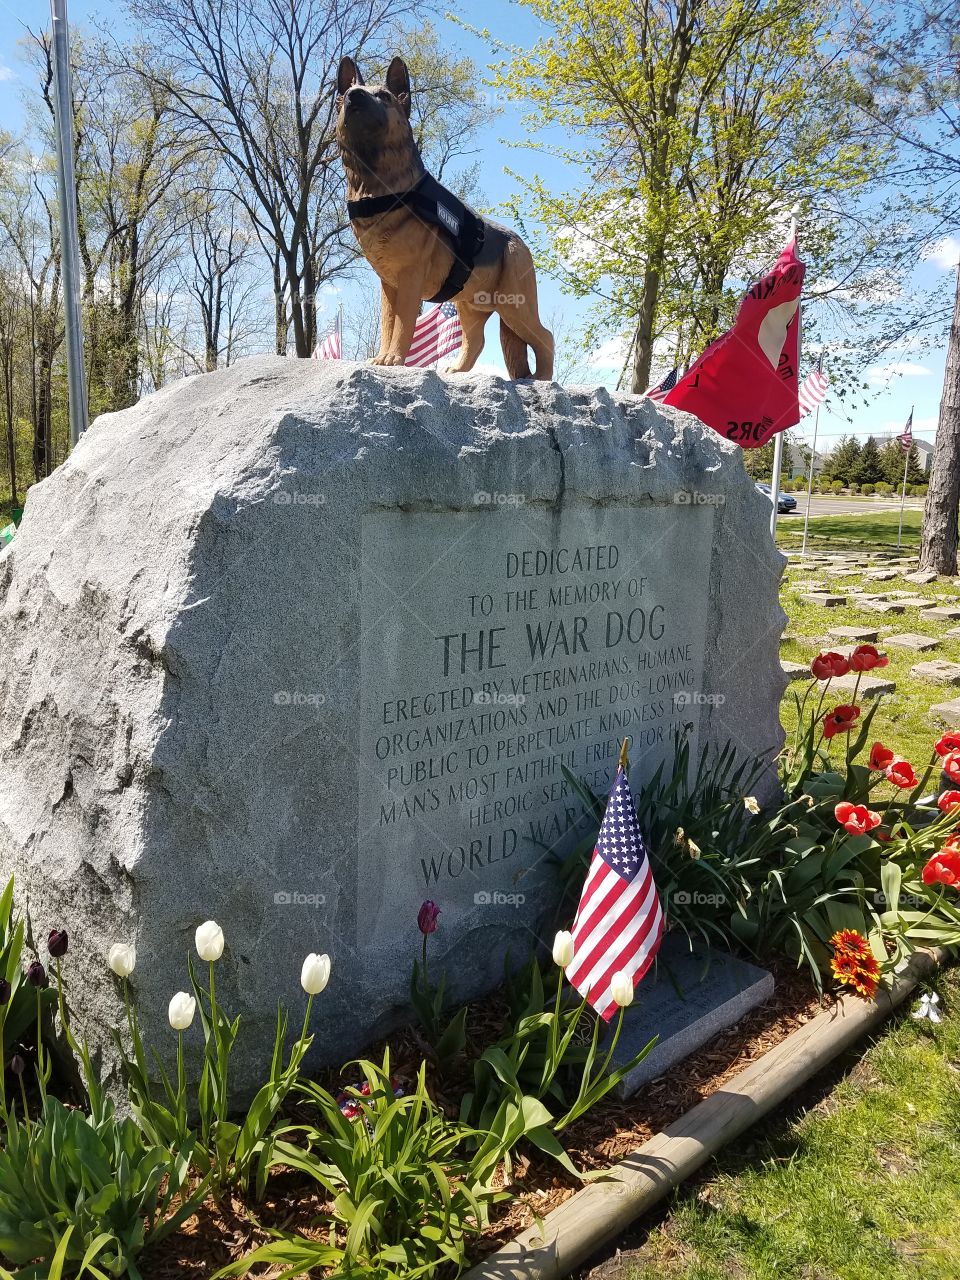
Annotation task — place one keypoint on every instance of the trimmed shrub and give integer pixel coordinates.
(868, 489)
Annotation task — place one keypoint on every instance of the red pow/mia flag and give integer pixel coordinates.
(745, 385)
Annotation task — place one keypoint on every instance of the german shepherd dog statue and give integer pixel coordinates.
(425, 243)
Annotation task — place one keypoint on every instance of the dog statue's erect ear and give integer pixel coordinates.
(348, 73)
(398, 82)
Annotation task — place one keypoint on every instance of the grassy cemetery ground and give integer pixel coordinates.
(857, 1182)
(905, 718)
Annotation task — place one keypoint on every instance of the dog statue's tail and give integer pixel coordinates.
(514, 352)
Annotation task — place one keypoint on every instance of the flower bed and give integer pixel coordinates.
(456, 1132)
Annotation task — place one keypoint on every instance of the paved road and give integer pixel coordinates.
(848, 506)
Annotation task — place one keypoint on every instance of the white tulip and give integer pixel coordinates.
(621, 988)
(209, 941)
(181, 1011)
(563, 949)
(315, 974)
(122, 959)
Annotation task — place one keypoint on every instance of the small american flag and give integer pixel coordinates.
(619, 920)
(906, 440)
(661, 389)
(814, 389)
(329, 348)
(435, 334)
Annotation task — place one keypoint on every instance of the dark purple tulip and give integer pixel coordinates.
(17, 1065)
(5, 991)
(427, 918)
(57, 943)
(37, 974)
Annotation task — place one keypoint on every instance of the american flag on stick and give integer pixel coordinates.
(435, 335)
(906, 439)
(619, 920)
(330, 348)
(814, 389)
(661, 389)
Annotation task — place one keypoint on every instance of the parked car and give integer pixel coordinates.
(785, 502)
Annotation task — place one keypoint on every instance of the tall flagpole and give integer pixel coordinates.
(778, 439)
(813, 458)
(903, 491)
(69, 236)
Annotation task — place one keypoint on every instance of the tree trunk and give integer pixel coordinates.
(938, 546)
(643, 347)
(8, 411)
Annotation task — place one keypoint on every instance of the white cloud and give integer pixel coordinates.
(6, 73)
(898, 368)
(943, 253)
(610, 354)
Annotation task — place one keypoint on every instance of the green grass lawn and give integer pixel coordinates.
(863, 1186)
(903, 721)
(868, 528)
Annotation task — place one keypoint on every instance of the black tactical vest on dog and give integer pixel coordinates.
(434, 204)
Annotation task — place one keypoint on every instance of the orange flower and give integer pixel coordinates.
(856, 818)
(827, 665)
(901, 774)
(839, 720)
(949, 742)
(868, 978)
(845, 969)
(880, 756)
(867, 656)
(851, 943)
(948, 801)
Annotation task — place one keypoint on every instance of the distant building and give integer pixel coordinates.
(923, 447)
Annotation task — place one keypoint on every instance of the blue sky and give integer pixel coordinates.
(905, 378)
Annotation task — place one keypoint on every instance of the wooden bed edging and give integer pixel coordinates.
(572, 1232)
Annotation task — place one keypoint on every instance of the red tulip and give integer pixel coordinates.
(839, 720)
(427, 918)
(880, 756)
(951, 766)
(867, 656)
(948, 743)
(943, 867)
(827, 665)
(856, 818)
(901, 774)
(948, 801)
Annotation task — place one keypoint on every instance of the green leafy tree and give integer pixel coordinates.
(699, 124)
(867, 469)
(842, 461)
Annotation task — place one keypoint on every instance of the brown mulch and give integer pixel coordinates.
(227, 1230)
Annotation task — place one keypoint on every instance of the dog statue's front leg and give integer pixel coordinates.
(388, 304)
(405, 312)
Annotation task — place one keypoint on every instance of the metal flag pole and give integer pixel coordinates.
(903, 491)
(775, 487)
(813, 456)
(813, 459)
(778, 439)
(69, 236)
